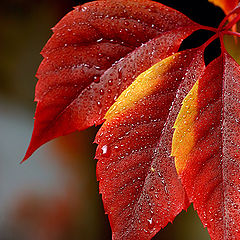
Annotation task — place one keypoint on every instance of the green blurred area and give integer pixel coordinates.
(55, 194)
(232, 44)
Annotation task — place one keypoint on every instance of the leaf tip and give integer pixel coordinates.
(28, 154)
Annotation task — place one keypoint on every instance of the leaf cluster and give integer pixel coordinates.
(170, 133)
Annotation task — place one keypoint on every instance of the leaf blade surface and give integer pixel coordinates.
(206, 147)
(138, 179)
(96, 51)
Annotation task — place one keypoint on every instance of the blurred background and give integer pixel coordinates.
(54, 195)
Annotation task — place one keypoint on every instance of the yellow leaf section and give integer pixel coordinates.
(183, 137)
(152, 80)
(232, 45)
(226, 5)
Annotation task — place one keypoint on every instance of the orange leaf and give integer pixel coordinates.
(226, 5)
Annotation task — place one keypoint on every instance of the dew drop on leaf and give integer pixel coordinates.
(101, 91)
(110, 82)
(150, 223)
(99, 104)
(96, 79)
(105, 151)
(152, 188)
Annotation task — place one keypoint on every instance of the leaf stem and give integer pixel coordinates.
(231, 33)
(234, 11)
(223, 49)
(211, 39)
(212, 29)
(233, 22)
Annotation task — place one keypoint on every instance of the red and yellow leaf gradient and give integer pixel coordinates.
(95, 52)
(139, 184)
(226, 5)
(206, 146)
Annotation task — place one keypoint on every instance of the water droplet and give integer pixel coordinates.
(105, 151)
(152, 169)
(99, 104)
(101, 91)
(100, 40)
(96, 79)
(150, 223)
(152, 188)
(110, 82)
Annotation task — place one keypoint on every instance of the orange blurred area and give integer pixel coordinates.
(54, 195)
(226, 5)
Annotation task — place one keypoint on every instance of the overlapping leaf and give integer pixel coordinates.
(206, 146)
(96, 51)
(140, 187)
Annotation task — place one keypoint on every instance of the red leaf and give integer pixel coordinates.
(96, 51)
(138, 180)
(206, 144)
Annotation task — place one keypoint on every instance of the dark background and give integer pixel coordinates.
(54, 195)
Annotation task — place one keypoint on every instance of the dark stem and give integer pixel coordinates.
(211, 39)
(212, 29)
